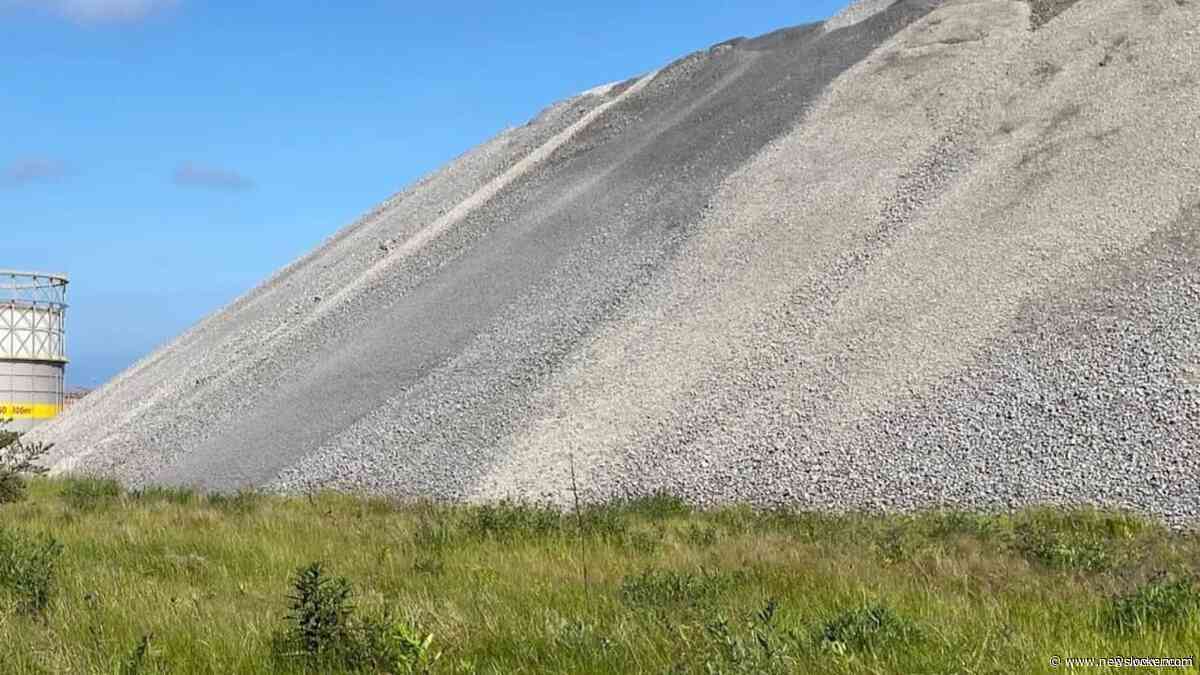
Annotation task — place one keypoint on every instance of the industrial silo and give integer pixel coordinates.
(33, 347)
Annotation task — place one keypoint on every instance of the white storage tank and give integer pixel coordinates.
(33, 347)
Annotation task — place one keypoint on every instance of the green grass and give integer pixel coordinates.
(94, 579)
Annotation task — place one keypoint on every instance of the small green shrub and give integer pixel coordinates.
(325, 634)
(669, 587)
(580, 637)
(138, 660)
(1088, 556)
(391, 645)
(657, 506)
(868, 628)
(12, 488)
(760, 646)
(508, 520)
(948, 524)
(320, 610)
(87, 494)
(28, 568)
(1155, 605)
(1087, 541)
(17, 459)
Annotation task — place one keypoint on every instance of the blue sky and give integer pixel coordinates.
(170, 154)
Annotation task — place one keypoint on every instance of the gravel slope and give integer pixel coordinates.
(929, 253)
(857, 11)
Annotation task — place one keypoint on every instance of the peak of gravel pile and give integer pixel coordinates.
(857, 11)
(926, 254)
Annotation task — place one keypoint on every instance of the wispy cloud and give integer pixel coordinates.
(32, 170)
(190, 174)
(97, 11)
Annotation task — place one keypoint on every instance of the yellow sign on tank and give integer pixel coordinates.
(29, 411)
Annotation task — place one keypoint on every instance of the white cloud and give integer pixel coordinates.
(31, 170)
(190, 174)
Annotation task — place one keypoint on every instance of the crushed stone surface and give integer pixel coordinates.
(926, 254)
(857, 11)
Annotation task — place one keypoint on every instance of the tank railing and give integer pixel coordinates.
(33, 290)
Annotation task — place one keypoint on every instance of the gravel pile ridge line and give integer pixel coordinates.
(855, 12)
(927, 254)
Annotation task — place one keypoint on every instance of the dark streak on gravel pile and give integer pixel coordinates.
(646, 170)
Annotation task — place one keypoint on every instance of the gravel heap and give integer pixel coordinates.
(924, 255)
(857, 11)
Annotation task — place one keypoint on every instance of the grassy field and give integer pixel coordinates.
(96, 580)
